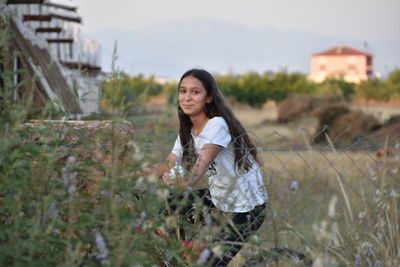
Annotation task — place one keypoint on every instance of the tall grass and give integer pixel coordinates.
(75, 194)
(324, 200)
(342, 207)
(71, 193)
(71, 196)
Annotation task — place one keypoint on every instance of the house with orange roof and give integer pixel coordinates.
(341, 62)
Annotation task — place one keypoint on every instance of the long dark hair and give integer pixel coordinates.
(243, 146)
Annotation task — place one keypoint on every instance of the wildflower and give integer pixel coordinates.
(52, 210)
(255, 239)
(120, 197)
(105, 193)
(140, 220)
(357, 260)
(143, 215)
(139, 182)
(377, 263)
(362, 215)
(204, 256)
(138, 155)
(377, 192)
(64, 176)
(71, 162)
(368, 249)
(394, 194)
(144, 165)
(162, 193)
(273, 214)
(294, 186)
(332, 207)
(68, 178)
(148, 225)
(379, 235)
(152, 179)
(101, 245)
(71, 189)
(217, 250)
(68, 175)
(57, 231)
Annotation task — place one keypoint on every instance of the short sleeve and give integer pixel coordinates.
(216, 132)
(177, 149)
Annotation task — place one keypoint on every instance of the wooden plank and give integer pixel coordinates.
(45, 30)
(70, 8)
(66, 18)
(82, 66)
(18, 2)
(37, 18)
(31, 17)
(60, 40)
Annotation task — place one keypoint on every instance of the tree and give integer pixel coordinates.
(124, 91)
(373, 89)
(335, 87)
(393, 83)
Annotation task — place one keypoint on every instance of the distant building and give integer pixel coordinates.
(341, 62)
(58, 66)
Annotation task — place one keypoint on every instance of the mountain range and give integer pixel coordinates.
(169, 49)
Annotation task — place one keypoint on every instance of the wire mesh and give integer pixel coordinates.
(303, 179)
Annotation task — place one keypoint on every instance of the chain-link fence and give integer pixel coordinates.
(330, 199)
(332, 195)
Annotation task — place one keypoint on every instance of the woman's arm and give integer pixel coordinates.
(206, 157)
(160, 169)
(171, 162)
(171, 159)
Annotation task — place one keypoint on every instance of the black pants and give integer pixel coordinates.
(196, 207)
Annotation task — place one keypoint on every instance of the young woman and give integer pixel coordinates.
(213, 143)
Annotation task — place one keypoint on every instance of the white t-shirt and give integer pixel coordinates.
(230, 192)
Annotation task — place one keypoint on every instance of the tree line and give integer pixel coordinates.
(255, 89)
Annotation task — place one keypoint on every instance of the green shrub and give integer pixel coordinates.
(125, 93)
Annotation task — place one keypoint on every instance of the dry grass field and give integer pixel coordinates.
(313, 190)
(382, 113)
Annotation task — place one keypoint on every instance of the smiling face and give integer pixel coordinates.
(193, 96)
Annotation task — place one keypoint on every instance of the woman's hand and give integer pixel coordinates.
(178, 181)
(206, 157)
(165, 179)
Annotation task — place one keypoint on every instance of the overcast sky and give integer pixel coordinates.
(364, 19)
(267, 34)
